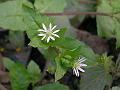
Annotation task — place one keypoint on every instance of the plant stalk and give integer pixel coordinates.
(77, 13)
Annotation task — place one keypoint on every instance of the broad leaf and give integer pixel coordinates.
(11, 15)
(60, 70)
(19, 77)
(95, 78)
(8, 63)
(53, 86)
(68, 43)
(117, 32)
(89, 54)
(50, 5)
(115, 5)
(108, 26)
(36, 42)
(105, 24)
(34, 71)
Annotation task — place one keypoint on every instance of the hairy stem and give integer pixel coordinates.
(78, 13)
(87, 2)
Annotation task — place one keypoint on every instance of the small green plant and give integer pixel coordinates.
(66, 52)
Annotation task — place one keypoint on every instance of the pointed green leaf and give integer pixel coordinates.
(34, 71)
(11, 15)
(95, 78)
(105, 24)
(8, 63)
(60, 71)
(19, 77)
(108, 26)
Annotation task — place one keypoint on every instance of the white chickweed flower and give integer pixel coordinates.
(48, 33)
(77, 66)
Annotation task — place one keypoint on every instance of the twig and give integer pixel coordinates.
(87, 2)
(77, 13)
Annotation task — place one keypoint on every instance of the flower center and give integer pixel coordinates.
(49, 33)
(76, 65)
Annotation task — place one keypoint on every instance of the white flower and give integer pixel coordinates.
(77, 66)
(48, 33)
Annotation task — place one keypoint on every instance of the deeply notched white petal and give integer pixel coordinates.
(44, 27)
(81, 59)
(78, 66)
(55, 35)
(52, 37)
(41, 34)
(53, 27)
(50, 26)
(43, 37)
(48, 39)
(48, 33)
(76, 72)
(56, 31)
(84, 65)
(81, 69)
(42, 30)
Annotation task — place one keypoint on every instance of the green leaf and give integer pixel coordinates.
(89, 54)
(19, 77)
(115, 5)
(8, 63)
(106, 62)
(105, 24)
(108, 26)
(117, 24)
(36, 42)
(50, 5)
(68, 43)
(53, 86)
(72, 53)
(11, 15)
(95, 78)
(116, 17)
(60, 70)
(34, 71)
(115, 88)
(34, 20)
